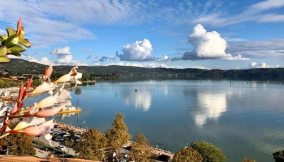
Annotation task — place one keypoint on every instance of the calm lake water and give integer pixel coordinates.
(245, 119)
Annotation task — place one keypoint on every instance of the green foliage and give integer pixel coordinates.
(69, 141)
(36, 82)
(140, 148)
(118, 134)
(4, 59)
(187, 154)
(14, 43)
(18, 144)
(141, 139)
(248, 160)
(3, 51)
(7, 83)
(10, 31)
(208, 151)
(47, 147)
(90, 145)
(278, 156)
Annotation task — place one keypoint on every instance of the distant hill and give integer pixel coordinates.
(19, 67)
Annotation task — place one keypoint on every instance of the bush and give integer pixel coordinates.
(5, 83)
(90, 145)
(187, 154)
(208, 151)
(279, 156)
(118, 134)
(18, 144)
(140, 149)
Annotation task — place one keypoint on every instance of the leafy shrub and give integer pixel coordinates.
(118, 134)
(278, 156)
(208, 151)
(18, 144)
(140, 148)
(90, 145)
(187, 154)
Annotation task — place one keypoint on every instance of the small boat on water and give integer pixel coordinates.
(69, 109)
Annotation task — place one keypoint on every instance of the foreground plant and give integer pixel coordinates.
(13, 43)
(34, 119)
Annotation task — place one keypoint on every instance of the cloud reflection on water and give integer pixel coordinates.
(140, 98)
(212, 106)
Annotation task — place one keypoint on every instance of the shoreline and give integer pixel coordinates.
(154, 150)
(71, 127)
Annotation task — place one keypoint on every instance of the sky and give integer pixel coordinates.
(212, 34)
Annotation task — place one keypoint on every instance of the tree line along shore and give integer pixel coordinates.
(22, 69)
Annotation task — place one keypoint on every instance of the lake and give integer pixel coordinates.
(245, 119)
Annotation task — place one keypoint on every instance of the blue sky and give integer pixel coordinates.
(223, 34)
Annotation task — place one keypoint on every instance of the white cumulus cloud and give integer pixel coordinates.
(64, 59)
(262, 65)
(62, 51)
(64, 55)
(138, 64)
(208, 45)
(137, 51)
(163, 58)
(43, 60)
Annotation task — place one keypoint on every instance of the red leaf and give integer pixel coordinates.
(29, 84)
(19, 26)
(15, 109)
(48, 71)
(21, 92)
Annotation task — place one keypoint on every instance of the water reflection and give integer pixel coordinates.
(244, 111)
(78, 90)
(211, 106)
(165, 89)
(62, 116)
(140, 98)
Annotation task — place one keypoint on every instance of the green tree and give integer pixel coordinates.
(69, 141)
(187, 154)
(118, 134)
(4, 83)
(17, 144)
(208, 151)
(278, 156)
(91, 144)
(141, 150)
